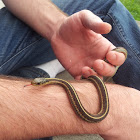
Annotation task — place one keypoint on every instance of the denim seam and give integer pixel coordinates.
(19, 52)
(31, 42)
(123, 37)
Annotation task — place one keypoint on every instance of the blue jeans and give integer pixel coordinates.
(125, 32)
(22, 47)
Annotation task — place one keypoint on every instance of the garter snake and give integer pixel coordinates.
(73, 96)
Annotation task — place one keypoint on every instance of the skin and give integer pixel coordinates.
(83, 45)
(31, 112)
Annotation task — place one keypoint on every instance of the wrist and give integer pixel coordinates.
(51, 20)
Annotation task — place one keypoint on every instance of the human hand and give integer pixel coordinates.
(79, 46)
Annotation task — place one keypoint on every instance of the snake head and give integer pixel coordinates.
(40, 81)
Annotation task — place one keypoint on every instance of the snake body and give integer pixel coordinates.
(74, 99)
(73, 96)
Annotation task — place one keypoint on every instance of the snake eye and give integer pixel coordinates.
(37, 83)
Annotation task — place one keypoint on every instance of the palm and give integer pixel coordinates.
(77, 46)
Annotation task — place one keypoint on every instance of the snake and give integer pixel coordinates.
(74, 98)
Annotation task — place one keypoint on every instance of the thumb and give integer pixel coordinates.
(94, 23)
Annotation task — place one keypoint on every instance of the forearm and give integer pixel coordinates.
(31, 112)
(43, 16)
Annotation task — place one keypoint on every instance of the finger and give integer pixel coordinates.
(87, 71)
(115, 58)
(93, 22)
(103, 68)
(77, 77)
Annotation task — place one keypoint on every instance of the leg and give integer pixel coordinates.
(20, 45)
(125, 33)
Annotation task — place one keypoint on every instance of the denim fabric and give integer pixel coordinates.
(125, 32)
(30, 73)
(20, 46)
